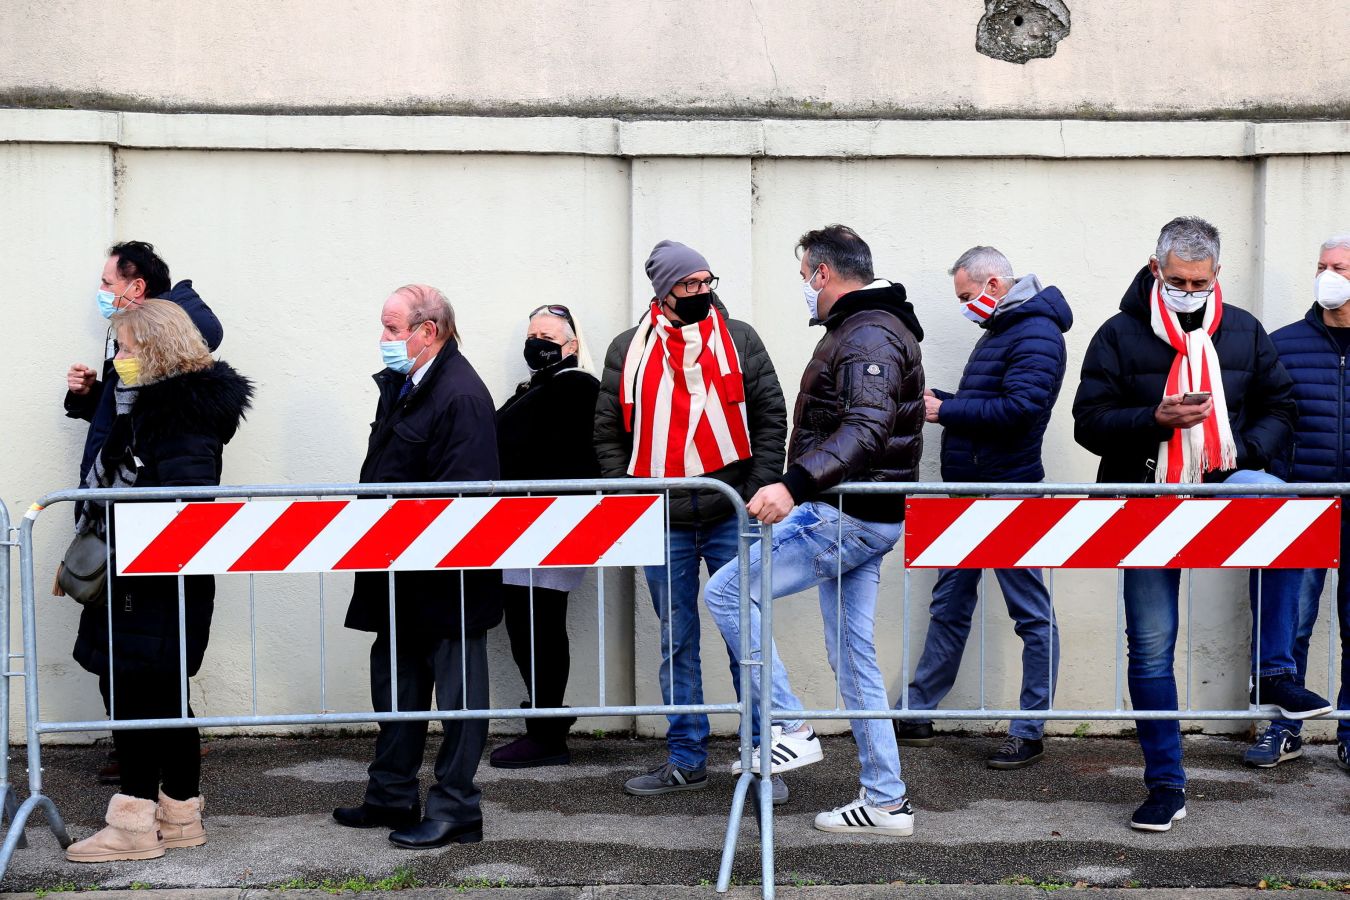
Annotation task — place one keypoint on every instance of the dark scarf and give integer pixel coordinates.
(115, 466)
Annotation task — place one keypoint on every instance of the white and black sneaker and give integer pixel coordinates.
(860, 817)
(788, 751)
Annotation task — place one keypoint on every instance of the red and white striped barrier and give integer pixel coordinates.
(1137, 533)
(389, 534)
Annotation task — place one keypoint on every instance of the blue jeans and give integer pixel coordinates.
(1292, 633)
(674, 589)
(1151, 624)
(817, 546)
(953, 606)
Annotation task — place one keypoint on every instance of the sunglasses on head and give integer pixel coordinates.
(554, 309)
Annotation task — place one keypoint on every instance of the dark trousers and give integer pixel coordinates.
(425, 664)
(169, 758)
(547, 669)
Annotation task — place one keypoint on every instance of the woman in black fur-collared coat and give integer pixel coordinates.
(176, 409)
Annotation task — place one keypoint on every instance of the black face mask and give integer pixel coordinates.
(541, 353)
(693, 309)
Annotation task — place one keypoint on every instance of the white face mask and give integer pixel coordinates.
(1331, 289)
(812, 296)
(1179, 301)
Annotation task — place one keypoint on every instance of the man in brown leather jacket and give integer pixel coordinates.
(859, 417)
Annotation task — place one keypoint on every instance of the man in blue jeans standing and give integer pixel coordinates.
(992, 429)
(1181, 387)
(689, 392)
(859, 417)
(1313, 350)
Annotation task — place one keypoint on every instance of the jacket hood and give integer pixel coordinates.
(888, 296)
(1047, 302)
(201, 315)
(1136, 297)
(217, 397)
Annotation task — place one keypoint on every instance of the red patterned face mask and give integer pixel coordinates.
(981, 308)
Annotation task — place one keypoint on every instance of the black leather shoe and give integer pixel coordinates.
(434, 833)
(370, 816)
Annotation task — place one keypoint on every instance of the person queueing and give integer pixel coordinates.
(544, 432)
(175, 409)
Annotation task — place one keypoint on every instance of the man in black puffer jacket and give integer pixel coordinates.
(687, 355)
(859, 417)
(1150, 406)
(435, 422)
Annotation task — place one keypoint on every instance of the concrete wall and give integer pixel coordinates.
(864, 58)
(296, 228)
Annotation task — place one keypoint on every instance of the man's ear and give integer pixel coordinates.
(136, 287)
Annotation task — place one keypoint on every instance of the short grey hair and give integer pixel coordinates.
(1337, 242)
(983, 263)
(427, 304)
(1190, 238)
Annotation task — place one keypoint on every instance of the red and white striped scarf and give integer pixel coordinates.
(683, 398)
(1191, 452)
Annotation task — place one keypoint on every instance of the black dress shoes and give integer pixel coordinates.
(370, 816)
(432, 833)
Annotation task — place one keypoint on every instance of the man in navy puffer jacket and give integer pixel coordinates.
(1313, 351)
(992, 429)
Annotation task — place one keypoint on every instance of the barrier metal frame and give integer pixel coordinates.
(770, 714)
(36, 728)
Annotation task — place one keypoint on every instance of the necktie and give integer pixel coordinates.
(406, 389)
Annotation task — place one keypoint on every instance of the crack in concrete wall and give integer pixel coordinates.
(1017, 31)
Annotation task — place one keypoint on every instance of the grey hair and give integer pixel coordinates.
(1337, 242)
(1190, 238)
(983, 263)
(427, 304)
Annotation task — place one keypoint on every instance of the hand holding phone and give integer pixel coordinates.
(1194, 398)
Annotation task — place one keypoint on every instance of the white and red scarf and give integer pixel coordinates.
(683, 398)
(1191, 452)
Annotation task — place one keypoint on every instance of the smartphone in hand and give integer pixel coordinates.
(1194, 398)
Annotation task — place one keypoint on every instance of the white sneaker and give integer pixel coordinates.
(860, 817)
(788, 751)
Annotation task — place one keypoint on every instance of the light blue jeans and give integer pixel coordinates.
(817, 546)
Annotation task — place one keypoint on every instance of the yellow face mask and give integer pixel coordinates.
(128, 370)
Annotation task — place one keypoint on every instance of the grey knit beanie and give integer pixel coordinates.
(671, 261)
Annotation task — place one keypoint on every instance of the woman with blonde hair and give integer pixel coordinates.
(544, 432)
(177, 407)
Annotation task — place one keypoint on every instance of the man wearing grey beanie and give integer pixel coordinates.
(689, 392)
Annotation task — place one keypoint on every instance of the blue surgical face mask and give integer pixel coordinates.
(107, 303)
(396, 356)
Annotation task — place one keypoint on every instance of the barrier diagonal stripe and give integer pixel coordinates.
(495, 532)
(1019, 532)
(598, 531)
(189, 531)
(391, 535)
(1229, 531)
(291, 533)
(1118, 535)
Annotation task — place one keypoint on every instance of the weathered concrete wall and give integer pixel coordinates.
(295, 228)
(864, 58)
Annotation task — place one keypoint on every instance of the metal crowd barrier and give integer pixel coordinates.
(990, 490)
(9, 801)
(36, 726)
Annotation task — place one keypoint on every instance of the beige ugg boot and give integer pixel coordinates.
(131, 834)
(180, 821)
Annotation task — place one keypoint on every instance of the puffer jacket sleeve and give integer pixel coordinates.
(1102, 423)
(869, 369)
(1271, 409)
(1035, 369)
(613, 445)
(767, 414)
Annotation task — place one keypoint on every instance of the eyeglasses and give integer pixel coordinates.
(691, 285)
(554, 309)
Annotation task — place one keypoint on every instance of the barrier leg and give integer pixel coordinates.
(765, 708)
(746, 778)
(10, 800)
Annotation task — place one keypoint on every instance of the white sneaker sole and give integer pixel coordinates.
(1284, 757)
(1296, 715)
(1166, 826)
(892, 831)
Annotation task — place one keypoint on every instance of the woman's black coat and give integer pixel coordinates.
(179, 427)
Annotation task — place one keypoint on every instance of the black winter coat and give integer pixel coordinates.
(1125, 376)
(992, 427)
(97, 407)
(181, 426)
(765, 410)
(444, 430)
(545, 430)
(860, 409)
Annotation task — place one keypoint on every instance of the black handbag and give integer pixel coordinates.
(83, 574)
